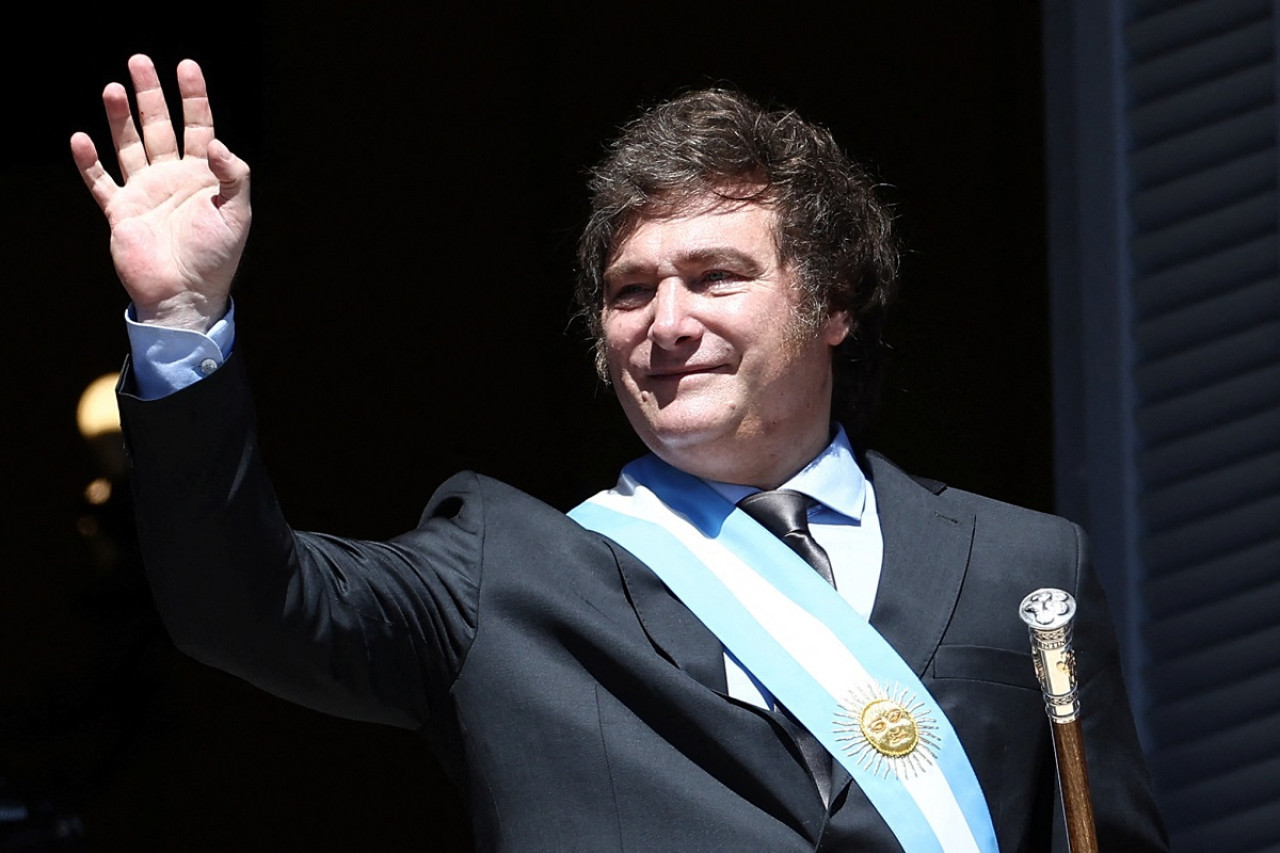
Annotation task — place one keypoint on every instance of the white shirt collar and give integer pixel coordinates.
(832, 478)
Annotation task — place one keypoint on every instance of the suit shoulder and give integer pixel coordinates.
(511, 525)
(1008, 521)
(1011, 515)
(470, 494)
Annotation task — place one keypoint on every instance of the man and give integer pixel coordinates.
(659, 672)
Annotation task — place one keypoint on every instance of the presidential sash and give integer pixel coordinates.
(815, 653)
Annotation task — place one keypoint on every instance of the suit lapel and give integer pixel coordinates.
(683, 639)
(671, 626)
(926, 555)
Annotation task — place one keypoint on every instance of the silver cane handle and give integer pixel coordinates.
(1048, 614)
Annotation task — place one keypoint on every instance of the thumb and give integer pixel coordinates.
(232, 174)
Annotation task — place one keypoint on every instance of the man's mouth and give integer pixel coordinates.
(684, 370)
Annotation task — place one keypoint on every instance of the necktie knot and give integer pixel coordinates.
(785, 514)
(782, 512)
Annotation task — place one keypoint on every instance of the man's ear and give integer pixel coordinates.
(838, 327)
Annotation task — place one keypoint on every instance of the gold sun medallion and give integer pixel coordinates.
(888, 727)
(887, 731)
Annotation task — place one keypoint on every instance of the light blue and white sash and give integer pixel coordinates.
(794, 633)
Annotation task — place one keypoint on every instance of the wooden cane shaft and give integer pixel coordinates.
(1073, 775)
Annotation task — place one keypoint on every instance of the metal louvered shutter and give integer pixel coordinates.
(1194, 318)
(1205, 254)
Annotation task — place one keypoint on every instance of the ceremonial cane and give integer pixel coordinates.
(1048, 614)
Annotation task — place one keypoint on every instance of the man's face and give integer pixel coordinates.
(715, 370)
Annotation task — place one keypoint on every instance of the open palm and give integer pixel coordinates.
(178, 221)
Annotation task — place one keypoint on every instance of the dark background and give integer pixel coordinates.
(404, 308)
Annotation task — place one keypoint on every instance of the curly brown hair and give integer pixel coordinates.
(832, 230)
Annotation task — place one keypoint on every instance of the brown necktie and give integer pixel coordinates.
(785, 514)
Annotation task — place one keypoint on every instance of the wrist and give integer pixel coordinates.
(196, 313)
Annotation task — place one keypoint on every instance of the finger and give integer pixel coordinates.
(124, 135)
(153, 113)
(100, 185)
(233, 181)
(197, 117)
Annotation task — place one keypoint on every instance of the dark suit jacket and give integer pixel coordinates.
(577, 704)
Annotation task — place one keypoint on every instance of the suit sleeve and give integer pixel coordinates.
(373, 631)
(1125, 811)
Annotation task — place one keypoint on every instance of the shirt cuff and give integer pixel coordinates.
(166, 360)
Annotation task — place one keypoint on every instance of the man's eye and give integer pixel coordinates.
(628, 294)
(720, 276)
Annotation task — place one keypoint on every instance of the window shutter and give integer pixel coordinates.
(1204, 251)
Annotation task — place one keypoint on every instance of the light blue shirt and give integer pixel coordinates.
(844, 521)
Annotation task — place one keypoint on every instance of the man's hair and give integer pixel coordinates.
(832, 231)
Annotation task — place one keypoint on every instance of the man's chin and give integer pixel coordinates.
(689, 447)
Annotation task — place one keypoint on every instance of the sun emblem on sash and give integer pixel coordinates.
(887, 731)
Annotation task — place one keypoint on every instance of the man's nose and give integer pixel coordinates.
(674, 319)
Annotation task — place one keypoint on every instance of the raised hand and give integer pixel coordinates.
(179, 220)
